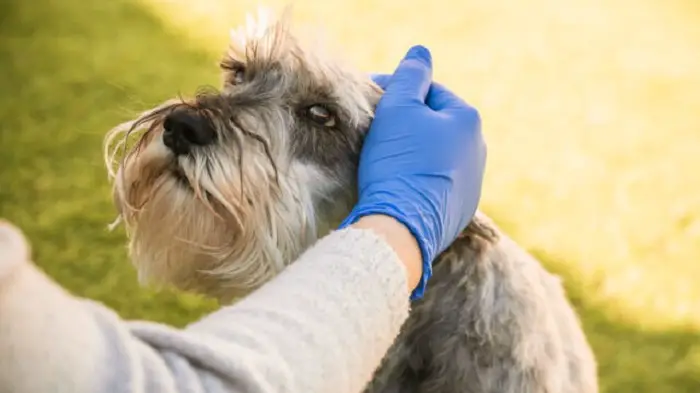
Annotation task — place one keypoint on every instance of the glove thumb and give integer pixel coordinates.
(411, 80)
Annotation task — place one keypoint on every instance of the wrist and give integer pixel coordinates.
(415, 217)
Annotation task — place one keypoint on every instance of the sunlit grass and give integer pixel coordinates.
(589, 108)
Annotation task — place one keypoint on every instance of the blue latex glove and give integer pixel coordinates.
(423, 159)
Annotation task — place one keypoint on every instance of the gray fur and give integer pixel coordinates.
(493, 320)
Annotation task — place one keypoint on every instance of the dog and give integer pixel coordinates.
(221, 191)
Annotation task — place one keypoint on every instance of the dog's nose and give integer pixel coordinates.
(184, 129)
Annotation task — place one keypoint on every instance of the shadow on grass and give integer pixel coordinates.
(72, 69)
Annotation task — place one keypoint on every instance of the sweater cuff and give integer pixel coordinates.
(379, 261)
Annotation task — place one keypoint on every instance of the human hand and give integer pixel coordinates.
(423, 159)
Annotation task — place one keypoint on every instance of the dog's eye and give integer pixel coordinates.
(236, 71)
(238, 76)
(321, 115)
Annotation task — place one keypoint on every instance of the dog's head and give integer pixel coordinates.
(219, 192)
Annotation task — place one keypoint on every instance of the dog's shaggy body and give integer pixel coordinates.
(493, 320)
(221, 192)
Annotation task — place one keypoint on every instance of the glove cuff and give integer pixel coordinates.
(426, 247)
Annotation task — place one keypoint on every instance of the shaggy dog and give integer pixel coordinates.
(221, 191)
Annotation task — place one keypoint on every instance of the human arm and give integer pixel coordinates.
(322, 325)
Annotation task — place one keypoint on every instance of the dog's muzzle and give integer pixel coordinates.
(186, 128)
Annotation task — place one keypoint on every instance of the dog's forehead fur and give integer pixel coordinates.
(285, 71)
(279, 63)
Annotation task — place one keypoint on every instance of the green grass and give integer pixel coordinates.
(588, 107)
(71, 70)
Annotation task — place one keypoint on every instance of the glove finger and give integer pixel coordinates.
(411, 80)
(382, 80)
(440, 99)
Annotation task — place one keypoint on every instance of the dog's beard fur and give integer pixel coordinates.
(226, 217)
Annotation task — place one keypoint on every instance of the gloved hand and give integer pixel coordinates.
(423, 159)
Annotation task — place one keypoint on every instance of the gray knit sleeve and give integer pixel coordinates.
(322, 325)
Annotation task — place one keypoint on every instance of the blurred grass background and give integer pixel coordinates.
(590, 109)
